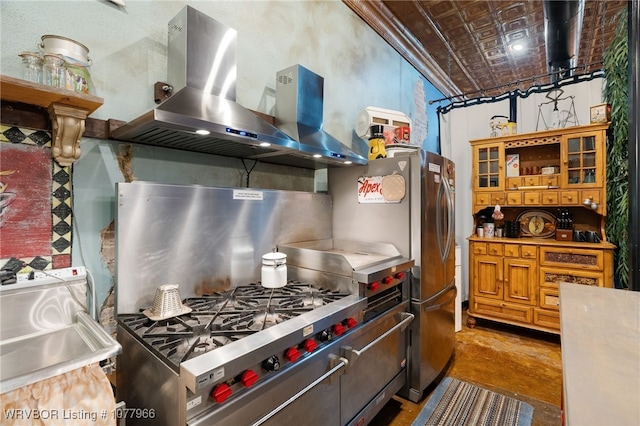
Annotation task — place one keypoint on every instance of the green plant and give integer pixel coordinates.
(616, 60)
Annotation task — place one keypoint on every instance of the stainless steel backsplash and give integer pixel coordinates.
(204, 238)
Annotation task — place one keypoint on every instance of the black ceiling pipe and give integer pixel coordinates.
(513, 107)
(562, 28)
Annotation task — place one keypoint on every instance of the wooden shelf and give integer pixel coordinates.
(67, 110)
(17, 90)
(544, 242)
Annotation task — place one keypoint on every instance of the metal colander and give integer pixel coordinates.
(166, 303)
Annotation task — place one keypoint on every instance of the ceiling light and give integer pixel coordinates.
(517, 47)
(317, 156)
(202, 132)
(347, 162)
(265, 144)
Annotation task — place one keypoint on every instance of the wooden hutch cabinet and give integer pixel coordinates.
(514, 279)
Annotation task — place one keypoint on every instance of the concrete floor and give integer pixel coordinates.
(513, 361)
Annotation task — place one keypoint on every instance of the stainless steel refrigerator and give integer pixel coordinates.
(408, 201)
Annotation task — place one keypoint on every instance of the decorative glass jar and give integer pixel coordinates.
(54, 72)
(32, 67)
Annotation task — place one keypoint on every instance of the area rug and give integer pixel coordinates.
(456, 403)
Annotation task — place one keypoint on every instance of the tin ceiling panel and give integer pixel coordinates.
(463, 47)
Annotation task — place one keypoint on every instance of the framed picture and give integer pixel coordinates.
(600, 113)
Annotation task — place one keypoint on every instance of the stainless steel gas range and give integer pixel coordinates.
(329, 348)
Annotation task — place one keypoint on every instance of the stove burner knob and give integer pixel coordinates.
(400, 275)
(387, 280)
(374, 286)
(221, 392)
(271, 364)
(338, 329)
(350, 322)
(248, 378)
(310, 345)
(292, 354)
(323, 336)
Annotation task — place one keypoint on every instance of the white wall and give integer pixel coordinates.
(460, 125)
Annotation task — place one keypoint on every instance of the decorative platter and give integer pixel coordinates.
(537, 223)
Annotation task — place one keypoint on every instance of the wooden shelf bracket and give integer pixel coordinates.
(67, 110)
(67, 125)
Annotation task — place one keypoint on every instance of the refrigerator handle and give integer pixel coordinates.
(451, 235)
(440, 305)
(444, 190)
(441, 189)
(440, 292)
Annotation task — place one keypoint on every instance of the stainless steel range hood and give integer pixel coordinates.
(202, 56)
(299, 113)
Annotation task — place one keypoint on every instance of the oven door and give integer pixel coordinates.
(377, 355)
(306, 393)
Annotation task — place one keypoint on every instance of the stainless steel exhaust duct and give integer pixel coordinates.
(202, 114)
(562, 29)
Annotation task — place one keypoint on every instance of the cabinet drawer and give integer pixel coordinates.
(497, 198)
(529, 252)
(495, 249)
(514, 198)
(479, 248)
(504, 310)
(483, 199)
(514, 182)
(569, 197)
(531, 180)
(550, 198)
(546, 318)
(549, 298)
(572, 258)
(551, 277)
(531, 198)
(551, 180)
(512, 250)
(592, 195)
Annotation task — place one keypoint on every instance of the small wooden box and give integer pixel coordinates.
(600, 113)
(564, 234)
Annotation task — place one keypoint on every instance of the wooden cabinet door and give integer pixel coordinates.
(488, 276)
(583, 160)
(488, 167)
(520, 281)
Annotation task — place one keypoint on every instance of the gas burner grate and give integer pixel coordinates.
(220, 318)
(203, 303)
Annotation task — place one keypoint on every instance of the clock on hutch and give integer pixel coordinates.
(542, 181)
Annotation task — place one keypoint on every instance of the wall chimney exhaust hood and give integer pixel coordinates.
(202, 114)
(299, 113)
